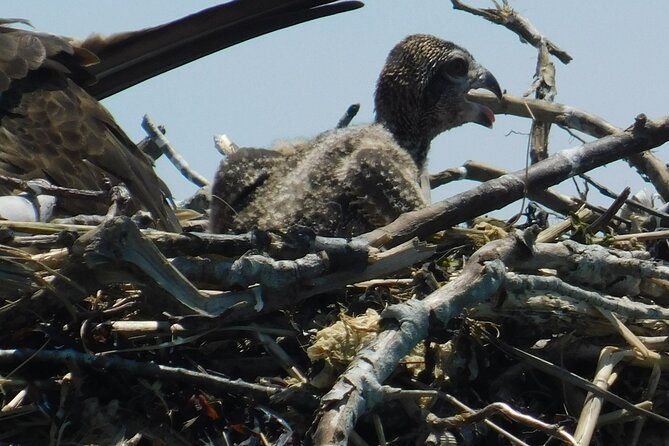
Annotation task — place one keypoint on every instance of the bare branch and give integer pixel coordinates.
(474, 170)
(497, 193)
(507, 411)
(179, 162)
(648, 165)
(143, 369)
(544, 88)
(505, 15)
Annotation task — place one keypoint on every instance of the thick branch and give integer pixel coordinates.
(497, 193)
(566, 116)
(359, 388)
(380, 265)
(474, 170)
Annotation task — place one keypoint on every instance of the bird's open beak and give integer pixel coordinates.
(488, 82)
(479, 113)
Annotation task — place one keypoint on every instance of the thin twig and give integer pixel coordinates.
(505, 15)
(179, 162)
(136, 368)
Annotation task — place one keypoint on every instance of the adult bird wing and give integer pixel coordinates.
(132, 57)
(53, 129)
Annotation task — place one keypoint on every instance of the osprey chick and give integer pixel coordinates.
(349, 181)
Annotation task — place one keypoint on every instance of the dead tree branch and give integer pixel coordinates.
(359, 389)
(474, 170)
(544, 89)
(494, 194)
(143, 369)
(179, 162)
(505, 15)
(560, 114)
(648, 165)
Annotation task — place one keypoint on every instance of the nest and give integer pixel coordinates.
(484, 334)
(114, 335)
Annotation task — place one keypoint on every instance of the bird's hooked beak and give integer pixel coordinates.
(478, 113)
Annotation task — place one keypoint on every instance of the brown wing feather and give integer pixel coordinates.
(51, 128)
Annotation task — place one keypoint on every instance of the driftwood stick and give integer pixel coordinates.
(649, 166)
(474, 170)
(380, 264)
(505, 15)
(610, 272)
(544, 88)
(250, 269)
(118, 243)
(199, 243)
(274, 285)
(141, 369)
(531, 284)
(179, 162)
(594, 264)
(497, 193)
(341, 252)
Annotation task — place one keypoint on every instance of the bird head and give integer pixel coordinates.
(422, 92)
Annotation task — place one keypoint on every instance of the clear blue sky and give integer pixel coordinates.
(297, 82)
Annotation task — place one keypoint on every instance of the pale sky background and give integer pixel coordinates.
(297, 82)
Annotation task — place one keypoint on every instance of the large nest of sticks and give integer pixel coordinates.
(487, 333)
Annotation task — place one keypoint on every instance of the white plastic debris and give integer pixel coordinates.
(24, 207)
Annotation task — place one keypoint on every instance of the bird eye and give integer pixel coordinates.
(457, 67)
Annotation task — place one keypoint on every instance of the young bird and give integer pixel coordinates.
(349, 181)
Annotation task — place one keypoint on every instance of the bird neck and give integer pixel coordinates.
(415, 143)
(417, 149)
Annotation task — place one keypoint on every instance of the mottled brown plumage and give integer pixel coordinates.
(51, 128)
(349, 181)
